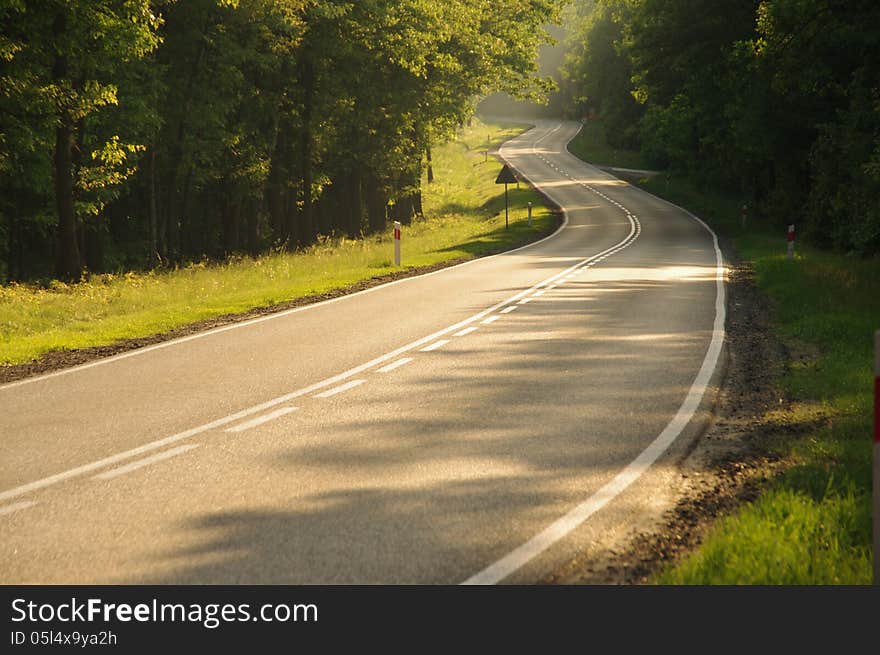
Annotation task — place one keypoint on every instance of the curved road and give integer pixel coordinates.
(474, 426)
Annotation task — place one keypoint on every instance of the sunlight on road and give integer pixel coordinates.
(657, 274)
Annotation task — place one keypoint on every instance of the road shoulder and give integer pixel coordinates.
(725, 467)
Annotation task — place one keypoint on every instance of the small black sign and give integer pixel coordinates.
(506, 176)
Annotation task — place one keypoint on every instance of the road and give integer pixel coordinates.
(469, 425)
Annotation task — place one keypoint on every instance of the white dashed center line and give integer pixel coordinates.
(435, 345)
(134, 466)
(265, 418)
(490, 320)
(339, 389)
(393, 365)
(507, 310)
(465, 332)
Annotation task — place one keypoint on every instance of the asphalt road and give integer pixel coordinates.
(467, 425)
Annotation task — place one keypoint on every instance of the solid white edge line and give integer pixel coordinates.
(287, 312)
(265, 418)
(394, 365)
(342, 387)
(146, 461)
(186, 434)
(15, 507)
(563, 526)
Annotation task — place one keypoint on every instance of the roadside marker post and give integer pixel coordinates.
(791, 242)
(530, 214)
(876, 469)
(397, 243)
(744, 212)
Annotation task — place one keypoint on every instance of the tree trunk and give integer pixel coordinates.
(276, 184)
(15, 251)
(93, 245)
(253, 226)
(307, 82)
(417, 197)
(69, 264)
(153, 256)
(430, 167)
(409, 196)
(180, 236)
(172, 220)
(231, 215)
(377, 204)
(351, 202)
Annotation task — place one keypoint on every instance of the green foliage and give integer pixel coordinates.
(59, 72)
(601, 73)
(591, 145)
(194, 128)
(775, 100)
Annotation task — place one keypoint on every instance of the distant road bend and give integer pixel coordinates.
(481, 424)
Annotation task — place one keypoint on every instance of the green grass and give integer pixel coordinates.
(826, 307)
(464, 211)
(812, 525)
(785, 538)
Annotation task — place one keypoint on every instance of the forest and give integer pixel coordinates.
(147, 133)
(777, 101)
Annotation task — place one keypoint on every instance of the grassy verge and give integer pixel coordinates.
(812, 525)
(465, 219)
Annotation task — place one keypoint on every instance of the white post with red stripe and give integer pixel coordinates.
(791, 242)
(877, 457)
(397, 243)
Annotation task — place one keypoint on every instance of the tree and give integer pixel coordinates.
(601, 74)
(63, 64)
(777, 100)
(177, 129)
